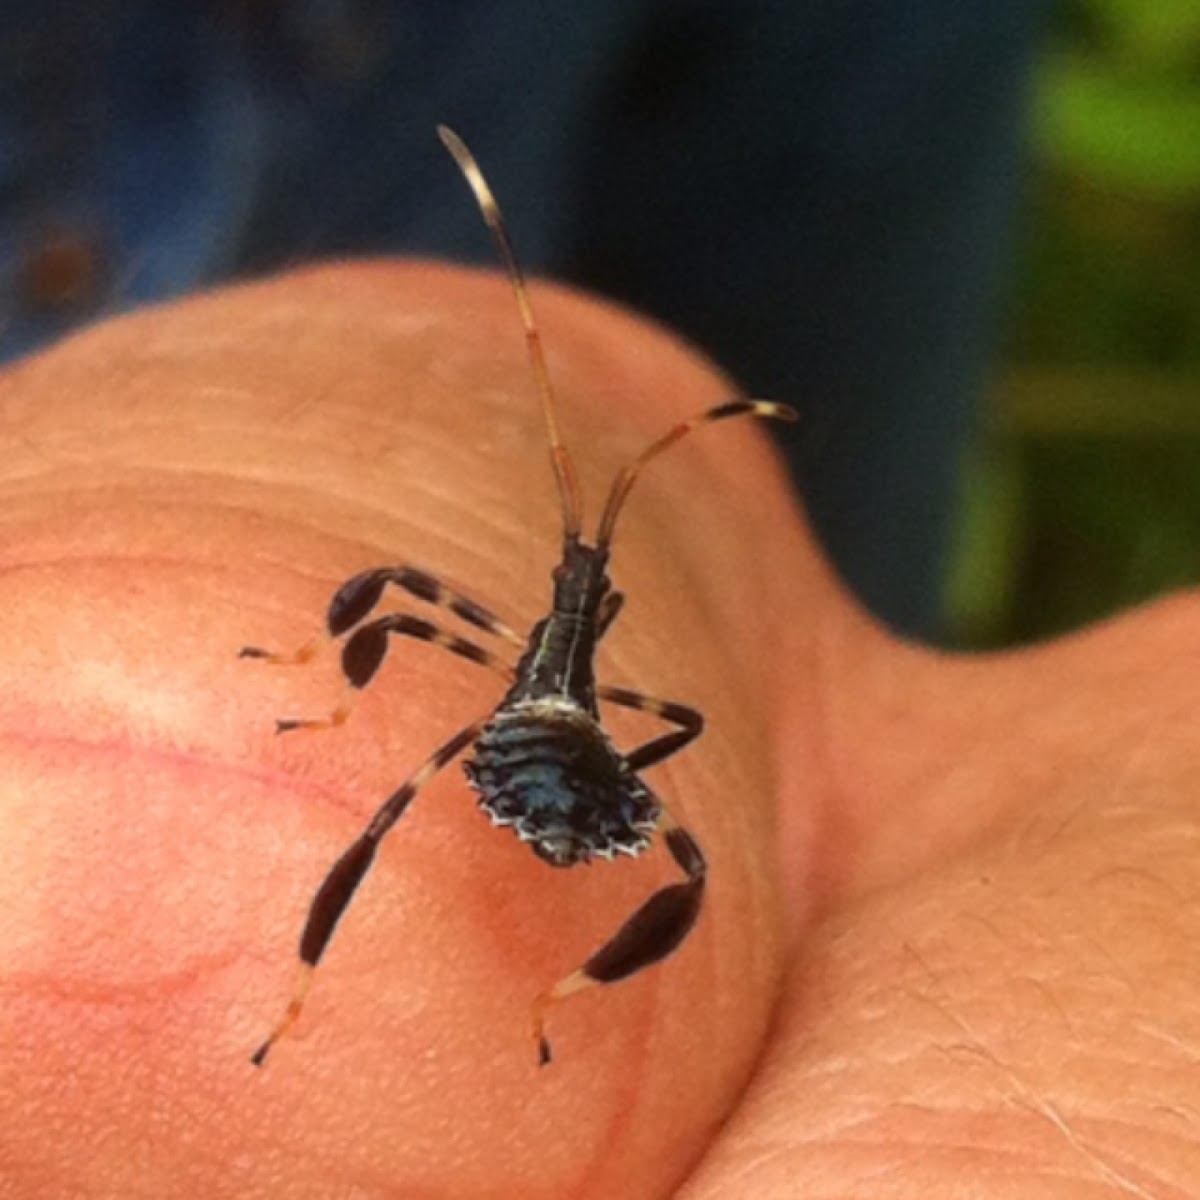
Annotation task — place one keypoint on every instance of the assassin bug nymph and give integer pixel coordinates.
(541, 762)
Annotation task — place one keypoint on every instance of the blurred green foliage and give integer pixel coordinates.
(1083, 494)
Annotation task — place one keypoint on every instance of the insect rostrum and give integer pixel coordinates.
(541, 762)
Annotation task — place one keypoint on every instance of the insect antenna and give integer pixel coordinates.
(560, 458)
(626, 477)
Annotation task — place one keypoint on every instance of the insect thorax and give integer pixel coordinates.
(547, 769)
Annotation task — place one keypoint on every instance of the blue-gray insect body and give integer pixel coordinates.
(541, 763)
(546, 768)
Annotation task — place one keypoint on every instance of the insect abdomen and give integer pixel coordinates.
(549, 772)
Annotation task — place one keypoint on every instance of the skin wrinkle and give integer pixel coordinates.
(439, 499)
(157, 986)
(284, 566)
(153, 753)
(1024, 1095)
(1191, 1050)
(454, 512)
(1014, 1155)
(153, 991)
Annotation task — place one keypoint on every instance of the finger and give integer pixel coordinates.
(1017, 1017)
(188, 481)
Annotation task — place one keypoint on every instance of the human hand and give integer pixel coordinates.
(961, 888)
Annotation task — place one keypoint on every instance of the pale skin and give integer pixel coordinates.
(948, 946)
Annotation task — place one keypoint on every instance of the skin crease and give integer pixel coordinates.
(947, 947)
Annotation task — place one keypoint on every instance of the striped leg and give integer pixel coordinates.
(690, 722)
(610, 609)
(285, 658)
(364, 652)
(355, 599)
(661, 924)
(657, 928)
(339, 886)
(621, 486)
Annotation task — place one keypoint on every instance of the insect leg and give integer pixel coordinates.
(364, 652)
(610, 609)
(285, 658)
(355, 599)
(339, 886)
(690, 722)
(649, 935)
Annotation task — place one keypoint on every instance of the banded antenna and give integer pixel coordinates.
(560, 457)
(624, 481)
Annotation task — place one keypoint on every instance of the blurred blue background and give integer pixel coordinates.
(824, 196)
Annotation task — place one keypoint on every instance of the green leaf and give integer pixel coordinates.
(1161, 32)
(982, 576)
(1138, 134)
